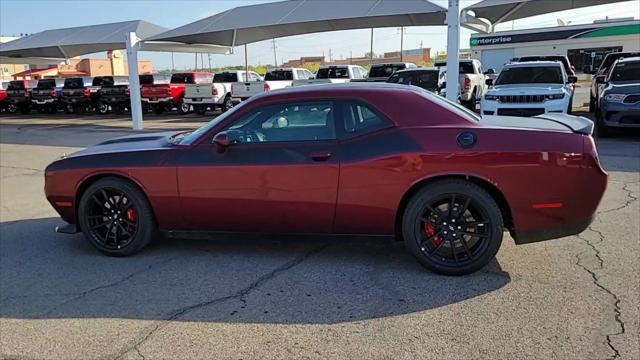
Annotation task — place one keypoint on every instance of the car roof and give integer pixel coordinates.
(393, 63)
(534, 63)
(418, 69)
(339, 87)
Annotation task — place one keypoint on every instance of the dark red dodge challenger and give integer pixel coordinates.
(380, 159)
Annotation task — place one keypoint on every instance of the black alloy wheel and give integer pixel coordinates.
(102, 108)
(116, 217)
(68, 109)
(12, 108)
(183, 108)
(453, 227)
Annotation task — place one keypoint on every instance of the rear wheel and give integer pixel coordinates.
(116, 217)
(227, 103)
(68, 109)
(12, 108)
(201, 109)
(453, 227)
(102, 108)
(157, 108)
(79, 108)
(25, 109)
(183, 108)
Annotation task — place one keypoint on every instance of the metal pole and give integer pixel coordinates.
(209, 56)
(246, 64)
(371, 50)
(196, 62)
(401, 41)
(172, 64)
(134, 81)
(453, 49)
(202, 61)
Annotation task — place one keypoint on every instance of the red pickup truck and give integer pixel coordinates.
(161, 97)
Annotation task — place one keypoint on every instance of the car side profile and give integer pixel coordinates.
(375, 159)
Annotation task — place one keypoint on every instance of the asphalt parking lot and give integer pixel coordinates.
(301, 297)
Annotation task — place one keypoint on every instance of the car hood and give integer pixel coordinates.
(623, 88)
(525, 89)
(140, 142)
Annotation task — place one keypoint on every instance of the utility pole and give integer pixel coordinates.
(246, 63)
(209, 56)
(371, 50)
(275, 56)
(330, 57)
(401, 41)
(196, 63)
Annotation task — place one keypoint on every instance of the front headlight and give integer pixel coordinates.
(554, 96)
(491, 97)
(615, 97)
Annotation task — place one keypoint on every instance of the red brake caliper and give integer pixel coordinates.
(429, 229)
(131, 215)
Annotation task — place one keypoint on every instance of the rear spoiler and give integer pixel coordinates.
(577, 124)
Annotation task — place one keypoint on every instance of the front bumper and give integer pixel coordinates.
(620, 114)
(492, 107)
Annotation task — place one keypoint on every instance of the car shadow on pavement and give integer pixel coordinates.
(233, 279)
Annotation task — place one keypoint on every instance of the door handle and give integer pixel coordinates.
(320, 156)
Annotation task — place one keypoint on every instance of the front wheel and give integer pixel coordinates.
(116, 217)
(453, 227)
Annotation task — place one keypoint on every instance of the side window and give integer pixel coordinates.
(361, 119)
(253, 77)
(301, 75)
(302, 121)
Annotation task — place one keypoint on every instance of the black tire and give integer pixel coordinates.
(201, 109)
(592, 104)
(68, 109)
(157, 108)
(471, 104)
(570, 107)
(227, 103)
(12, 108)
(53, 109)
(25, 109)
(101, 201)
(602, 130)
(183, 108)
(118, 109)
(102, 108)
(79, 108)
(446, 247)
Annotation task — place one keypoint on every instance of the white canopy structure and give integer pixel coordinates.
(485, 15)
(56, 46)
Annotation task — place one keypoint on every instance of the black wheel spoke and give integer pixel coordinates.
(452, 203)
(476, 223)
(436, 248)
(429, 238)
(100, 203)
(465, 206)
(453, 251)
(466, 248)
(108, 222)
(475, 234)
(126, 232)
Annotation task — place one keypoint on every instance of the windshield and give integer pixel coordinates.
(626, 72)
(466, 68)
(74, 83)
(16, 85)
(46, 84)
(182, 79)
(333, 73)
(424, 79)
(279, 75)
(530, 75)
(612, 57)
(190, 138)
(225, 77)
(385, 70)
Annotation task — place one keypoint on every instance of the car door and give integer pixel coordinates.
(279, 174)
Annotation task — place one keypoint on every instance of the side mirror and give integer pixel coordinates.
(572, 79)
(221, 141)
(488, 82)
(600, 79)
(490, 71)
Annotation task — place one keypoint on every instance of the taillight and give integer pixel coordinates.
(54, 94)
(27, 93)
(267, 87)
(87, 91)
(214, 91)
(467, 83)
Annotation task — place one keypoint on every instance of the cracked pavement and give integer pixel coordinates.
(304, 297)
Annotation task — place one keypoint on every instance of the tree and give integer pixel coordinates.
(370, 55)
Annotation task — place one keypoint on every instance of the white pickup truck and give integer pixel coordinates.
(471, 81)
(216, 94)
(274, 79)
(328, 74)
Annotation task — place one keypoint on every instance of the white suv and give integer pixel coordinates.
(529, 89)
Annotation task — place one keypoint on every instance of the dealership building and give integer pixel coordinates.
(585, 45)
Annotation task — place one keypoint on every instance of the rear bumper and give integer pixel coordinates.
(44, 101)
(157, 100)
(200, 101)
(76, 100)
(569, 229)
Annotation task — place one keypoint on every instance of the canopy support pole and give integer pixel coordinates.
(246, 64)
(453, 49)
(134, 81)
(371, 50)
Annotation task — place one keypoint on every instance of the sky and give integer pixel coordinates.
(31, 16)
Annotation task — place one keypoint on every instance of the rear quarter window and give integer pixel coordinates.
(333, 73)
(73, 83)
(279, 75)
(225, 77)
